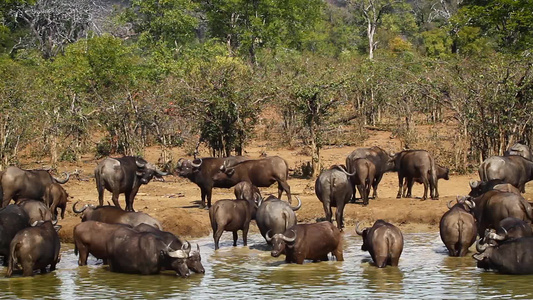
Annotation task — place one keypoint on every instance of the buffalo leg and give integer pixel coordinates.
(204, 196)
(434, 189)
(394, 261)
(27, 269)
(426, 186)
(400, 186)
(83, 253)
(375, 184)
(338, 253)
(245, 235)
(410, 182)
(115, 198)
(6, 198)
(327, 210)
(339, 216)
(43, 270)
(100, 188)
(235, 237)
(363, 192)
(284, 186)
(208, 194)
(217, 234)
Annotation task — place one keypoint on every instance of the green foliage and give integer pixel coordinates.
(437, 43)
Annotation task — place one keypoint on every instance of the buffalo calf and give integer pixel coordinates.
(384, 241)
(230, 215)
(56, 197)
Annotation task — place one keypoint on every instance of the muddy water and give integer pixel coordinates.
(425, 271)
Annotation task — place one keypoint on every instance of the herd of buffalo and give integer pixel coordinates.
(134, 242)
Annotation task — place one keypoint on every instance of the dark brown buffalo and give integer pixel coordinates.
(36, 210)
(442, 173)
(334, 189)
(519, 149)
(231, 215)
(194, 261)
(384, 241)
(494, 206)
(478, 188)
(12, 220)
(380, 159)
(261, 173)
(364, 174)
(34, 248)
(112, 214)
(508, 229)
(411, 164)
(123, 175)
(131, 251)
(513, 169)
(247, 191)
(458, 229)
(17, 183)
(512, 257)
(91, 237)
(56, 197)
(201, 172)
(308, 241)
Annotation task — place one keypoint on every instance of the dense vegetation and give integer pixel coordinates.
(177, 72)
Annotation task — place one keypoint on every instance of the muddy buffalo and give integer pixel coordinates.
(56, 197)
(411, 164)
(513, 169)
(275, 215)
(91, 237)
(512, 257)
(123, 175)
(334, 189)
(34, 248)
(131, 251)
(201, 172)
(457, 227)
(112, 214)
(17, 183)
(231, 215)
(12, 220)
(380, 159)
(384, 241)
(307, 241)
(259, 172)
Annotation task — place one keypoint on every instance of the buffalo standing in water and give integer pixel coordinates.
(384, 241)
(457, 228)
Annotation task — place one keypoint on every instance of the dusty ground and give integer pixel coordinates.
(174, 202)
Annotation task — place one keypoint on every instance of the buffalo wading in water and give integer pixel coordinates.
(90, 237)
(112, 214)
(383, 241)
(201, 172)
(307, 241)
(17, 183)
(260, 172)
(457, 227)
(12, 219)
(123, 175)
(411, 164)
(275, 215)
(513, 169)
(334, 189)
(231, 215)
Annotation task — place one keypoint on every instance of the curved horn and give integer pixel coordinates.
(473, 183)
(198, 247)
(197, 165)
(497, 237)
(297, 207)
(54, 222)
(161, 173)
(470, 203)
(480, 248)
(186, 246)
(178, 164)
(359, 232)
(67, 175)
(34, 223)
(139, 164)
(78, 211)
(288, 239)
(448, 204)
(267, 236)
(344, 171)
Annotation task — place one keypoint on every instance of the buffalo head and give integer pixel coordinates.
(146, 171)
(280, 241)
(363, 233)
(178, 259)
(186, 167)
(194, 262)
(86, 210)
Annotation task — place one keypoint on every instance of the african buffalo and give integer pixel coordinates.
(384, 241)
(508, 229)
(36, 210)
(442, 173)
(478, 188)
(521, 150)
(56, 197)
(334, 189)
(380, 159)
(494, 206)
(91, 237)
(35, 248)
(307, 241)
(260, 172)
(458, 229)
(276, 215)
(194, 261)
(201, 172)
(231, 215)
(123, 175)
(411, 164)
(12, 219)
(131, 251)
(30, 184)
(363, 174)
(247, 191)
(112, 214)
(512, 257)
(513, 169)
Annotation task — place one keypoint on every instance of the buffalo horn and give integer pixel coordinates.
(178, 254)
(161, 173)
(34, 223)
(267, 236)
(344, 171)
(198, 247)
(197, 165)
(297, 207)
(449, 204)
(359, 232)
(54, 222)
(470, 203)
(79, 211)
(288, 239)
(140, 164)
(474, 183)
(480, 248)
(67, 177)
(179, 162)
(497, 237)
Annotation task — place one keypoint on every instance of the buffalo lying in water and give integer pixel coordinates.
(90, 237)
(112, 214)
(511, 257)
(384, 241)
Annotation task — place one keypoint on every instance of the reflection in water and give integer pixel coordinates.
(425, 271)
